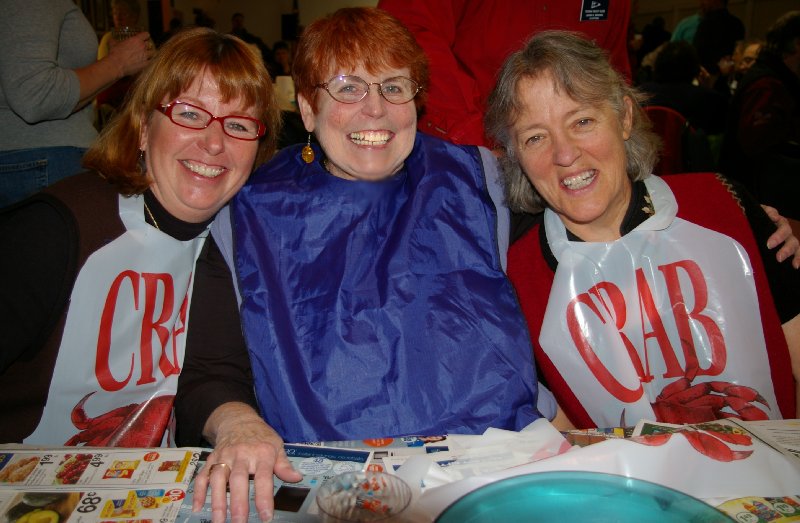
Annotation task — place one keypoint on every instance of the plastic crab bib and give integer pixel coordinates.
(662, 323)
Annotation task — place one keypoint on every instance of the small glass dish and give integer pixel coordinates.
(363, 496)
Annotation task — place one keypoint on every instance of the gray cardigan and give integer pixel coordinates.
(41, 42)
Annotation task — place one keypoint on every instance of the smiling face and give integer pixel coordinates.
(196, 172)
(368, 140)
(574, 154)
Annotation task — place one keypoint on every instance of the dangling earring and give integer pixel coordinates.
(308, 153)
(141, 163)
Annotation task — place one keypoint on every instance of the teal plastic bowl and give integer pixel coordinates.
(580, 497)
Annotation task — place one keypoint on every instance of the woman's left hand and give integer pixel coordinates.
(791, 245)
(244, 445)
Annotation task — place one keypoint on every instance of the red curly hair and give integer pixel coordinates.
(352, 37)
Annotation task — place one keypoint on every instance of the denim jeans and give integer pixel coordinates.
(26, 171)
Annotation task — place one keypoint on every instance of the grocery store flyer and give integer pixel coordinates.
(87, 485)
(100, 469)
(88, 506)
(782, 435)
(763, 509)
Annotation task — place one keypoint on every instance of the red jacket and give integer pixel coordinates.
(467, 41)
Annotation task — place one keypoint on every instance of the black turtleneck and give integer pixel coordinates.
(168, 224)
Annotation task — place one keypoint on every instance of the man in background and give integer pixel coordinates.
(716, 34)
(762, 141)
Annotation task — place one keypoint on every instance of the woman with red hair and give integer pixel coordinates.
(369, 276)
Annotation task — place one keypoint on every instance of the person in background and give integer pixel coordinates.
(717, 34)
(175, 26)
(49, 75)
(466, 42)
(239, 30)
(654, 35)
(744, 56)
(686, 28)
(677, 67)
(370, 275)
(125, 14)
(97, 289)
(202, 19)
(762, 142)
(646, 297)
(281, 60)
(280, 68)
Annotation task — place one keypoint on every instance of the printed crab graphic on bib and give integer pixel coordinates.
(662, 323)
(719, 443)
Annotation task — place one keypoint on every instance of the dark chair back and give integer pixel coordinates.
(685, 149)
(670, 126)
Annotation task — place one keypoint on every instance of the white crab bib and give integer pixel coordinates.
(670, 299)
(124, 336)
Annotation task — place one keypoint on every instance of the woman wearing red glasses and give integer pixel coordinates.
(97, 282)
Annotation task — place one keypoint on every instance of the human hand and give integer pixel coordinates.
(704, 78)
(783, 234)
(132, 54)
(244, 445)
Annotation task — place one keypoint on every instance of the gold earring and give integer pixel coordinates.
(308, 153)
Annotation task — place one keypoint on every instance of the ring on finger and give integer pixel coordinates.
(221, 465)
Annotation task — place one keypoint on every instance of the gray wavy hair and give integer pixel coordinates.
(582, 70)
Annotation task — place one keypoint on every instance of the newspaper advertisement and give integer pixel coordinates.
(781, 435)
(88, 485)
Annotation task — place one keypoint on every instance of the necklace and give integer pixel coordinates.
(150, 214)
